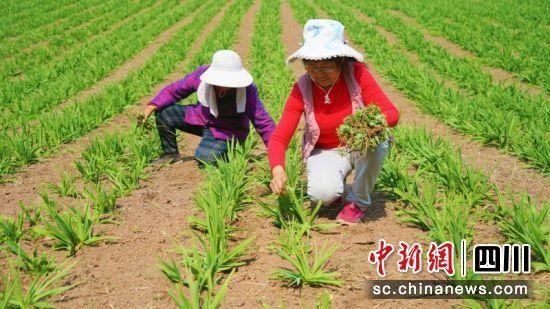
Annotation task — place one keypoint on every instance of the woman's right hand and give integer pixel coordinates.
(148, 111)
(278, 180)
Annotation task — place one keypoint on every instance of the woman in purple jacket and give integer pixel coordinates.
(228, 102)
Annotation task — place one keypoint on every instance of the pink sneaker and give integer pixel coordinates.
(350, 215)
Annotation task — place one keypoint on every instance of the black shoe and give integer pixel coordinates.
(167, 158)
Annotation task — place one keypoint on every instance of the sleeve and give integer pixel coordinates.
(178, 90)
(262, 121)
(290, 118)
(372, 93)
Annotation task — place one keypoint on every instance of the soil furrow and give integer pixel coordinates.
(252, 286)
(126, 274)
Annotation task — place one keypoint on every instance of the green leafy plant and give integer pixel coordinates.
(72, 230)
(35, 264)
(48, 203)
(33, 215)
(12, 229)
(523, 223)
(199, 299)
(363, 130)
(203, 266)
(66, 187)
(215, 256)
(123, 181)
(290, 207)
(103, 201)
(39, 290)
(323, 301)
(307, 261)
(171, 270)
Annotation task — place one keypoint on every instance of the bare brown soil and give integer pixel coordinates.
(127, 273)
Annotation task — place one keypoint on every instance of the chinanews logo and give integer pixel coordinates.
(487, 258)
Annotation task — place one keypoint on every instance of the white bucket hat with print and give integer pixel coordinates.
(324, 39)
(226, 70)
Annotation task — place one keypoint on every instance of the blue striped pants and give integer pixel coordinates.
(171, 118)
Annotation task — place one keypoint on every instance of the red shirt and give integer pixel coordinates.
(328, 116)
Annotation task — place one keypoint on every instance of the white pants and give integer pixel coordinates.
(327, 170)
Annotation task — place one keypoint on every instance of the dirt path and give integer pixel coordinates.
(506, 171)
(457, 51)
(127, 274)
(251, 286)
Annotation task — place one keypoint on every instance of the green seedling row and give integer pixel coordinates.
(518, 14)
(523, 53)
(511, 24)
(54, 129)
(21, 11)
(46, 87)
(444, 197)
(465, 72)
(41, 15)
(15, 46)
(221, 198)
(72, 229)
(470, 116)
(61, 42)
(307, 262)
(122, 158)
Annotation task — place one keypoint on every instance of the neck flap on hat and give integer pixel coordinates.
(207, 97)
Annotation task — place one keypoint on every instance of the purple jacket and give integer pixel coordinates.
(222, 128)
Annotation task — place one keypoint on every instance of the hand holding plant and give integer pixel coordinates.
(279, 179)
(364, 130)
(142, 119)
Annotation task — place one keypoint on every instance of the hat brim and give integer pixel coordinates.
(227, 79)
(324, 51)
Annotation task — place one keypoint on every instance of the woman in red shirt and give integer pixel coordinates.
(336, 84)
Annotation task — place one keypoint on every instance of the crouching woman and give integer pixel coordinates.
(227, 103)
(335, 85)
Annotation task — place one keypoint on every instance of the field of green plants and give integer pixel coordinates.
(75, 169)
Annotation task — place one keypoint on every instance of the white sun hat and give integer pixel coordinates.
(324, 39)
(226, 70)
